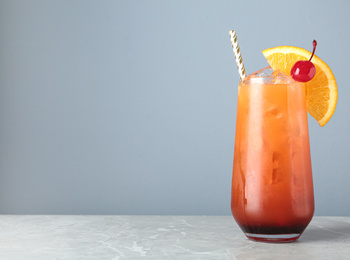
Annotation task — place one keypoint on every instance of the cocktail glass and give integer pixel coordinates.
(272, 188)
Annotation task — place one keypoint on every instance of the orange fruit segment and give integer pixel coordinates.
(321, 91)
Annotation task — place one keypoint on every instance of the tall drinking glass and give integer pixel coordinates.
(272, 189)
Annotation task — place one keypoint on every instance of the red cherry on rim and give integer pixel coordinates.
(304, 70)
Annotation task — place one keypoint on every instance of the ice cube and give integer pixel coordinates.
(277, 168)
(265, 72)
(269, 76)
(274, 112)
(282, 78)
(260, 76)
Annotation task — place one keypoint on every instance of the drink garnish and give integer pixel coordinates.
(321, 90)
(304, 70)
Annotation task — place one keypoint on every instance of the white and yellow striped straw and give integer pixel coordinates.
(237, 53)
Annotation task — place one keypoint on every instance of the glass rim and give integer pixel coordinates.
(255, 78)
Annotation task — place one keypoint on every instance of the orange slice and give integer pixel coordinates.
(321, 91)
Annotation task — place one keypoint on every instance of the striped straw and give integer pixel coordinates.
(238, 56)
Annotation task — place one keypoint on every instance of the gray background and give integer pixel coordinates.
(128, 107)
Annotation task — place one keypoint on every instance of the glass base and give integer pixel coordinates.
(273, 238)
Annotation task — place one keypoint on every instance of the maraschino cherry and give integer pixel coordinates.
(304, 70)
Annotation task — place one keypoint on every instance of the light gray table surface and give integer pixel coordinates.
(160, 237)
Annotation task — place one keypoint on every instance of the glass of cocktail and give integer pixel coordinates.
(272, 188)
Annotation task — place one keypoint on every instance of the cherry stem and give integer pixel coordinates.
(313, 52)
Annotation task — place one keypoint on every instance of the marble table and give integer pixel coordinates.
(62, 237)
